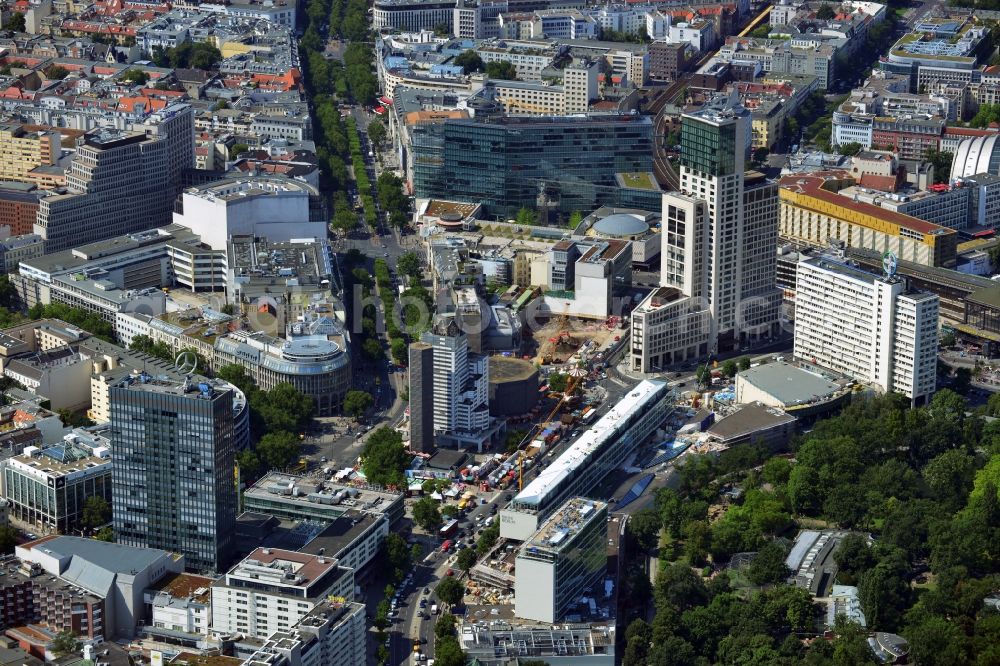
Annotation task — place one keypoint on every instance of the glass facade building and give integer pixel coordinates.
(562, 561)
(708, 147)
(173, 484)
(510, 163)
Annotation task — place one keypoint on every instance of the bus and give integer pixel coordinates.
(448, 529)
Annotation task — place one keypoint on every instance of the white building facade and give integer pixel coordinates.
(873, 329)
(278, 209)
(272, 590)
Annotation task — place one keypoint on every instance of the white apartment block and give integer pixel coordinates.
(699, 34)
(333, 634)
(870, 328)
(461, 385)
(272, 590)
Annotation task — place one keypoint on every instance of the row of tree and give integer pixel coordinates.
(91, 322)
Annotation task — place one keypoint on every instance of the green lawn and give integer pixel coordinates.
(638, 180)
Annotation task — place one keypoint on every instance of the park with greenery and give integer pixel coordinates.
(923, 483)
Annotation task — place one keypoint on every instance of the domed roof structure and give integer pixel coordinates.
(978, 155)
(621, 224)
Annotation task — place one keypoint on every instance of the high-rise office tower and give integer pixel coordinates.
(455, 381)
(422, 397)
(120, 181)
(721, 229)
(173, 485)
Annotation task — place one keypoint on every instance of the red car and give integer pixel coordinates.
(450, 573)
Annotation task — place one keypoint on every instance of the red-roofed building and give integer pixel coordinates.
(812, 211)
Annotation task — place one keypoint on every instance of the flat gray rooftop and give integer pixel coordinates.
(789, 384)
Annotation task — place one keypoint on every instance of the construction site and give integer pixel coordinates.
(562, 338)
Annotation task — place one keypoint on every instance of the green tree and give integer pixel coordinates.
(776, 471)
(853, 557)
(803, 490)
(884, 591)
(851, 645)
(397, 556)
(450, 591)
(744, 363)
(502, 70)
(513, 440)
(65, 643)
(448, 652)
(409, 264)
(557, 382)
(278, 449)
(8, 293)
(465, 558)
(680, 587)
(941, 161)
(285, 408)
(760, 155)
(445, 625)
(703, 375)
(937, 641)
(250, 465)
(469, 61)
(91, 322)
(948, 339)
(638, 636)
(949, 476)
(384, 459)
(105, 534)
(427, 514)
(729, 368)
(399, 350)
(644, 527)
(768, 566)
(377, 133)
(987, 115)
(237, 376)
(574, 219)
(135, 75)
(850, 149)
(356, 403)
(487, 539)
(344, 220)
(15, 22)
(526, 217)
(372, 349)
(56, 72)
(237, 149)
(96, 512)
